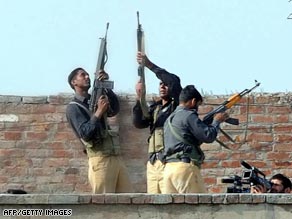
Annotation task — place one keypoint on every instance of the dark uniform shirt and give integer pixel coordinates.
(189, 127)
(85, 125)
(174, 89)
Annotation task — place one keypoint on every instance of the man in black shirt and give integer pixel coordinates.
(106, 173)
(169, 89)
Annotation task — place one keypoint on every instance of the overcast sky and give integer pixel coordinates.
(220, 46)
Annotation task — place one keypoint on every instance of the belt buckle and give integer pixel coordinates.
(186, 160)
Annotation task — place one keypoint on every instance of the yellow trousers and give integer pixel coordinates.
(180, 177)
(108, 174)
(155, 177)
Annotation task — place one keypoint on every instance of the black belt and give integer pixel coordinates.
(155, 156)
(184, 160)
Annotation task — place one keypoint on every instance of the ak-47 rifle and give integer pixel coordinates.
(227, 104)
(100, 87)
(141, 74)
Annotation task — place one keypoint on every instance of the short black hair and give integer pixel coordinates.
(189, 92)
(72, 75)
(284, 179)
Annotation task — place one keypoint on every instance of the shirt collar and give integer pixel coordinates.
(82, 98)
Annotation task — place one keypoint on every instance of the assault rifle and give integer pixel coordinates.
(227, 104)
(141, 74)
(100, 87)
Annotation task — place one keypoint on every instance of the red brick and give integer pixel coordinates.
(280, 109)
(243, 156)
(36, 135)
(12, 135)
(283, 128)
(44, 108)
(262, 119)
(283, 147)
(252, 109)
(218, 156)
(283, 138)
(278, 156)
(266, 99)
(210, 180)
(261, 137)
(230, 164)
(62, 153)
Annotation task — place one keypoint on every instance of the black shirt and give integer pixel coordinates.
(174, 89)
(84, 123)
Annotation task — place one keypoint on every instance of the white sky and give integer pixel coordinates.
(220, 46)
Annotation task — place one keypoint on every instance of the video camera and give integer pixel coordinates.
(250, 177)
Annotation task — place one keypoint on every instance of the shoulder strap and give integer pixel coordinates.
(83, 107)
(179, 137)
(175, 132)
(103, 132)
(155, 115)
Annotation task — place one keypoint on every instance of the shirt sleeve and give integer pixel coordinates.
(139, 120)
(200, 130)
(84, 126)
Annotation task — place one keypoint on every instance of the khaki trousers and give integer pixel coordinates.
(108, 174)
(180, 177)
(155, 177)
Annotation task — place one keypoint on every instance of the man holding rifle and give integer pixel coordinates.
(106, 173)
(169, 89)
(184, 132)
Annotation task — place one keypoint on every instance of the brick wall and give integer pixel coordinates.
(39, 152)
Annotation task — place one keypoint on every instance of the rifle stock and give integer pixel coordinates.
(208, 119)
(141, 72)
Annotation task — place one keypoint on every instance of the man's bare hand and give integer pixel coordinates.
(143, 59)
(102, 75)
(102, 106)
(139, 89)
(258, 189)
(221, 117)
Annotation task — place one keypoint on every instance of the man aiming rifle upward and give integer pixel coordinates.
(155, 115)
(87, 114)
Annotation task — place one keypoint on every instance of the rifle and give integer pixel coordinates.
(141, 74)
(100, 87)
(227, 104)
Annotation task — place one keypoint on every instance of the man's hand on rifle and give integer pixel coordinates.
(143, 59)
(221, 117)
(102, 106)
(102, 75)
(139, 88)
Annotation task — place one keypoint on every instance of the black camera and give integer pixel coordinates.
(250, 177)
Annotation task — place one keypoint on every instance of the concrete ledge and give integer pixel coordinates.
(141, 205)
(142, 198)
